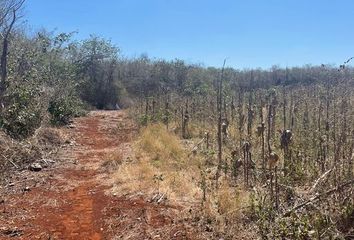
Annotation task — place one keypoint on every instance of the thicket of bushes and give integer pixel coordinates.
(52, 76)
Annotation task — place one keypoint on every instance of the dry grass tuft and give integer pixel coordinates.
(160, 144)
(49, 136)
(230, 200)
(18, 155)
(159, 152)
(113, 161)
(224, 212)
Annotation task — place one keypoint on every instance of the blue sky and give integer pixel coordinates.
(249, 33)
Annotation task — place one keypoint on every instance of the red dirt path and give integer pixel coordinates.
(71, 199)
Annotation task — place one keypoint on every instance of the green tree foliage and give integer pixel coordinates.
(40, 75)
(98, 63)
(50, 74)
(22, 115)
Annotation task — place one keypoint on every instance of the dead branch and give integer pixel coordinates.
(322, 178)
(12, 163)
(196, 146)
(317, 197)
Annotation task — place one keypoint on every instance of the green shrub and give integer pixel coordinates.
(22, 114)
(144, 119)
(62, 110)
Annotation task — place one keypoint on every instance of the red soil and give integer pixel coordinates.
(71, 200)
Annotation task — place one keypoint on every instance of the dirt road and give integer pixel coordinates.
(72, 199)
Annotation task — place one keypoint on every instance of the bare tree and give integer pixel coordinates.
(8, 16)
(219, 107)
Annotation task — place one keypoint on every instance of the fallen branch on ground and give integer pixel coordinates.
(195, 148)
(12, 163)
(321, 179)
(317, 197)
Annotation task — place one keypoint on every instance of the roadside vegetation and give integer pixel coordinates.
(252, 153)
(277, 157)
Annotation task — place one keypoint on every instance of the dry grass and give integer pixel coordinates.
(16, 155)
(49, 136)
(161, 145)
(113, 161)
(224, 211)
(231, 200)
(5, 146)
(159, 152)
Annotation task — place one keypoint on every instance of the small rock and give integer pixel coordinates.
(35, 167)
(12, 232)
(26, 189)
(208, 229)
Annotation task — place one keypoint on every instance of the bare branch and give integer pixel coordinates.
(317, 197)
